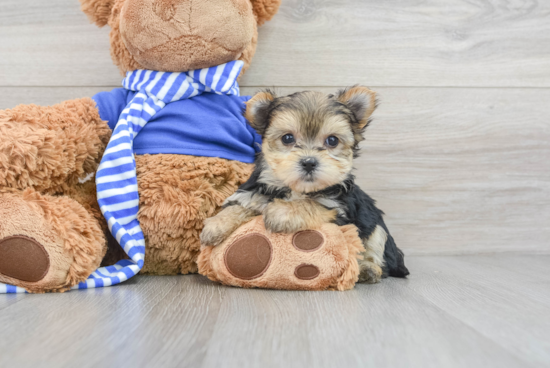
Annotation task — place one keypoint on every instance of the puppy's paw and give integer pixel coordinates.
(215, 231)
(369, 273)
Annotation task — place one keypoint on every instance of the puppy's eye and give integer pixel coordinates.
(288, 139)
(332, 141)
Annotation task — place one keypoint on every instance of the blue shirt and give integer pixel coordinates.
(209, 125)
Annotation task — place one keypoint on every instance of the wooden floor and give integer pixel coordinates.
(453, 311)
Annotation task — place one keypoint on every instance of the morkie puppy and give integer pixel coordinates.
(303, 176)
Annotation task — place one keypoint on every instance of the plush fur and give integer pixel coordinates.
(336, 259)
(50, 148)
(70, 234)
(177, 193)
(179, 35)
(48, 154)
(302, 178)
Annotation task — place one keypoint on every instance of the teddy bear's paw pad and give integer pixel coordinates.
(306, 271)
(248, 257)
(308, 240)
(23, 258)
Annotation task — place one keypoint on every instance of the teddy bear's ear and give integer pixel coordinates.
(257, 110)
(361, 101)
(264, 10)
(98, 11)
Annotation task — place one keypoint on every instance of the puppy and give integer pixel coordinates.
(303, 176)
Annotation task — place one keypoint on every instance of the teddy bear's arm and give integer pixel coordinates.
(50, 147)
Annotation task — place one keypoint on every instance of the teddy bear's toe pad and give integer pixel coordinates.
(23, 258)
(248, 257)
(306, 272)
(308, 240)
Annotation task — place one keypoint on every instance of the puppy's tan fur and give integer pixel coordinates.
(218, 228)
(311, 122)
(373, 258)
(290, 216)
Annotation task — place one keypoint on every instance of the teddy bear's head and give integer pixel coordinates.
(180, 35)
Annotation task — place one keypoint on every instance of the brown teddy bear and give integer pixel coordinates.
(191, 153)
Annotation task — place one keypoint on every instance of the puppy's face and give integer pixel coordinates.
(309, 138)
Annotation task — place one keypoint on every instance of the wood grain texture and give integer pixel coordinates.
(503, 305)
(458, 311)
(142, 324)
(312, 42)
(382, 326)
(52, 43)
(457, 170)
(8, 301)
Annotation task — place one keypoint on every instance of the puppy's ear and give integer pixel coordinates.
(361, 101)
(98, 11)
(264, 10)
(257, 110)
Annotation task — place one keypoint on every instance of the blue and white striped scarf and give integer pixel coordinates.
(117, 190)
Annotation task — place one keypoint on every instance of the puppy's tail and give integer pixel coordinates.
(394, 260)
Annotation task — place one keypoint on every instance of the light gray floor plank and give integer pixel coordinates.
(516, 315)
(9, 300)
(143, 324)
(457, 170)
(312, 42)
(523, 263)
(384, 325)
(524, 276)
(451, 312)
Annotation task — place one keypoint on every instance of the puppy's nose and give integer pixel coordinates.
(309, 164)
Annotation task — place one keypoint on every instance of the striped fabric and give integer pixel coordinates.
(117, 190)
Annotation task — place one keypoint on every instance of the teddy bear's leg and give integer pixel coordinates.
(47, 243)
(49, 148)
(177, 193)
(320, 259)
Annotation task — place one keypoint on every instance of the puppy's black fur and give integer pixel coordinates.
(361, 211)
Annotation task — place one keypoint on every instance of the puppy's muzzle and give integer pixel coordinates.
(309, 164)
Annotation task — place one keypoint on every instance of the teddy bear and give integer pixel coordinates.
(125, 179)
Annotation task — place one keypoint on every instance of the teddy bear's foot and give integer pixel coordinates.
(323, 259)
(250, 256)
(47, 243)
(23, 258)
